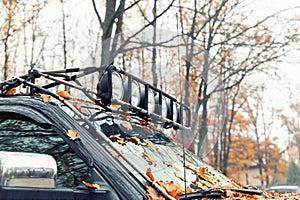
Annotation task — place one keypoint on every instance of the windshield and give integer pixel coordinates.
(152, 150)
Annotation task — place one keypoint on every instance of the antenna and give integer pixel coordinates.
(180, 89)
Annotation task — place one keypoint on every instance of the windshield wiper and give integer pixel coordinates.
(217, 193)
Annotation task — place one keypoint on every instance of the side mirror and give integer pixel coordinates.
(20, 169)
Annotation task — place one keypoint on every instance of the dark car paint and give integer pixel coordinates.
(123, 184)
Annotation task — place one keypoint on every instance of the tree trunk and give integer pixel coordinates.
(107, 32)
(153, 68)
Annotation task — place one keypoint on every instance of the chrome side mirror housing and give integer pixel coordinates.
(20, 169)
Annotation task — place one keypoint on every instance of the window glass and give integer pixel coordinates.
(21, 135)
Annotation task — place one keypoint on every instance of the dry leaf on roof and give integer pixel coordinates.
(191, 166)
(178, 175)
(149, 174)
(149, 159)
(170, 136)
(46, 98)
(64, 94)
(126, 125)
(135, 140)
(91, 185)
(152, 194)
(143, 121)
(147, 129)
(114, 107)
(201, 172)
(73, 134)
(168, 163)
(151, 145)
(122, 141)
(116, 155)
(12, 91)
(81, 109)
(118, 139)
(173, 189)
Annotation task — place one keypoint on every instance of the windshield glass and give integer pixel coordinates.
(145, 147)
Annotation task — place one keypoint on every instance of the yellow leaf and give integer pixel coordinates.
(46, 98)
(114, 107)
(73, 135)
(91, 185)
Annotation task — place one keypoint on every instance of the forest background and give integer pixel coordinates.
(221, 57)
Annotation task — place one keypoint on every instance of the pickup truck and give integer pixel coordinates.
(112, 139)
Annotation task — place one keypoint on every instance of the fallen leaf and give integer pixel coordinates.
(114, 138)
(114, 107)
(46, 98)
(12, 91)
(126, 125)
(143, 121)
(118, 139)
(168, 163)
(152, 194)
(73, 135)
(151, 144)
(178, 175)
(81, 109)
(91, 185)
(174, 189)
(135, 140)
(146, 128)
(201, 172)
(149, 174)
(149, 159)
(191, 166)
(116, 155)
(64, 94)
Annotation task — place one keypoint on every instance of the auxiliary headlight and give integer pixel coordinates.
(110, 86)
(117, 86)
(184, 115)
(175, 111)
(151, 101)
(164, 107)
(135, 93)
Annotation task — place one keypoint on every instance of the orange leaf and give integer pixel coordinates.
(91, 185)
(118, 139)
(149, 174)
(73, 135)
(143, 122)
(64, 94)
(152, 194)
(12, 91)
(135, 140)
